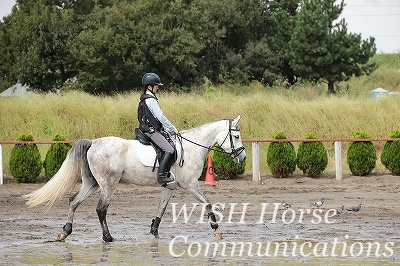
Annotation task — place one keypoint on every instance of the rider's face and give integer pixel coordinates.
(155, 88)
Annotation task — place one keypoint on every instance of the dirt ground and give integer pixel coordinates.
(249, 219)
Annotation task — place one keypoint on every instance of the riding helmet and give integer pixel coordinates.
(151, 79)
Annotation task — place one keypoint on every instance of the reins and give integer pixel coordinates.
(234, 152)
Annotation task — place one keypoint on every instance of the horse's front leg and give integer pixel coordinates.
(199, 195)
(165, 197)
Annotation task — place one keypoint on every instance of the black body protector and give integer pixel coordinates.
(147, 121)
(149, 124)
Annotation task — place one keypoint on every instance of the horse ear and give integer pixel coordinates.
(237, 120)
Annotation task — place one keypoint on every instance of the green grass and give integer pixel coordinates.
(296, 111)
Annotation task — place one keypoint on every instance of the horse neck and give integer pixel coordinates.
(207, 135)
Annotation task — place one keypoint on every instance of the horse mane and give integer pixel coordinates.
(204, 125)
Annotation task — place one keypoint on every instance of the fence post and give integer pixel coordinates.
(255, 146)
(338, 160)
(1, 165)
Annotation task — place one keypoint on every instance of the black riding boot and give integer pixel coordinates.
(164, 176)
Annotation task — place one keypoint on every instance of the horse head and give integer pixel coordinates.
(231, 143)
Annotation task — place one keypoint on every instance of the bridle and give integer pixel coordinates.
(234, 152)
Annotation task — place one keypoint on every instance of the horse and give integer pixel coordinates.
(104, 162)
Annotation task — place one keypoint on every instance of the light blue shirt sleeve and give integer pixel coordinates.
(155, 109)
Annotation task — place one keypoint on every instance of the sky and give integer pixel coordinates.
(371, 18)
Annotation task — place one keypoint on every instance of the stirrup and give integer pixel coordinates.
(171, 185)
(170, 181)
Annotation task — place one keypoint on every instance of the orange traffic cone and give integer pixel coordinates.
(210, 178)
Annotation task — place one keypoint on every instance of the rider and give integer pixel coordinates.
(154, 124)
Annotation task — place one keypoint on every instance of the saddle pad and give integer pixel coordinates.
(146, 153)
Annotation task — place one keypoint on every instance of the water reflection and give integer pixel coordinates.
(148, 251)
(68, 256)
(154, 250)
(106, 251)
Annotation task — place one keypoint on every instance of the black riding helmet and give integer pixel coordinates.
(151, 79)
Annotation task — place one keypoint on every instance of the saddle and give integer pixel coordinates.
(145, 140)
(141, 137)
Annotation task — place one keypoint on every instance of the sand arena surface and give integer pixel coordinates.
(251, 218)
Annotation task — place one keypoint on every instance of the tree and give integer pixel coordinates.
(105, 46)
(312, 157)
(38, 33)
(390, 156)
(106, 53)
(55, 156)
(237, 49)
(25, 160)
(321, 49)
(7, 57)
(35, 42)
(361, 155)
(171, 36)
(281, 157)
(284, 21)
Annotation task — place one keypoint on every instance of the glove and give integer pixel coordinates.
(175, 131)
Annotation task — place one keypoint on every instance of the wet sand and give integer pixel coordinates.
(256, 228)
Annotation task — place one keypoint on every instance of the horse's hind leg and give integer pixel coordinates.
(89, 185)
(101, 210)
(107, 190)
(165, 197)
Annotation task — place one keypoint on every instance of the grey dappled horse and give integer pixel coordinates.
(102, 163)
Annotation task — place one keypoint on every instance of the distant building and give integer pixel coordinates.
(16, 90)
(378, 93)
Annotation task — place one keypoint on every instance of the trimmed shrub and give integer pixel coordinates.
(361, 155)
(55, 156)
(390, 156)
(312, 157)
(224, 165)
(281, 157)
(25, 161)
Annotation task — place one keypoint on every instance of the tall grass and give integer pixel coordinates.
(297, 111)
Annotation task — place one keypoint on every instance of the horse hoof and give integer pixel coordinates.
(218, 235)
(61, 237)
(108, 238)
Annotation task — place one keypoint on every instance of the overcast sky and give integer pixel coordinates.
(377, 18)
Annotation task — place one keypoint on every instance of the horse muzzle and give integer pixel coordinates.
(238, 155)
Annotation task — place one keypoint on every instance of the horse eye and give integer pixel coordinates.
(236, 137)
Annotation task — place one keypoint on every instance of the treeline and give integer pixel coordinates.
(105, 46)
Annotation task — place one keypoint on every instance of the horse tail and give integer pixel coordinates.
(65, 179)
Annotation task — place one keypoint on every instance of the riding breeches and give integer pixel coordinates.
(161, 142)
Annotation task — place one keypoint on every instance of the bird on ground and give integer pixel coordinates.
(356, 208)
(318, 203)
(340, 210)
